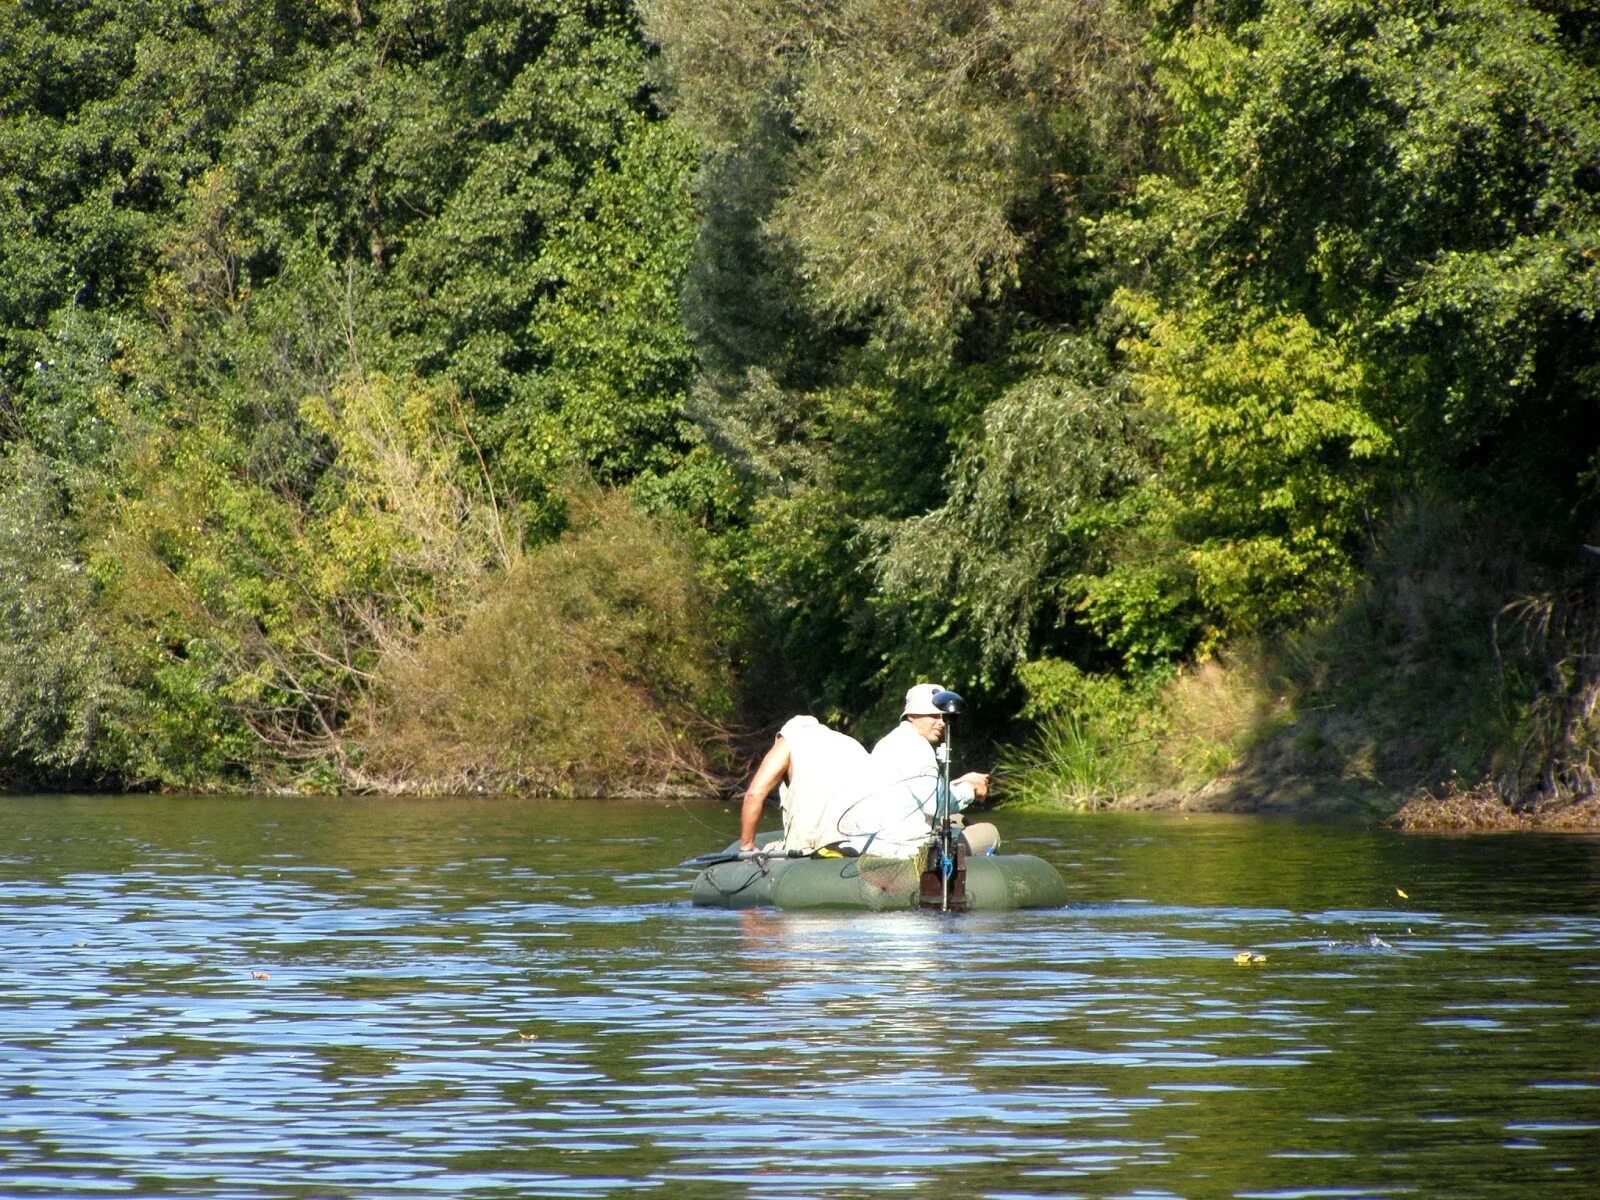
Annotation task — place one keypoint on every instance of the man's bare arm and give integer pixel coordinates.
(774, 767)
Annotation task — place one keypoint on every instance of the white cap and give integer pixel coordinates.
(919, 701)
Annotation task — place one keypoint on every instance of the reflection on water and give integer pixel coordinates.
(264, 998)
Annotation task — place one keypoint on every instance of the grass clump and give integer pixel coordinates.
(1089, 731)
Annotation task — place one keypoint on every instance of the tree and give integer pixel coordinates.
(906, 162)
(893, 200)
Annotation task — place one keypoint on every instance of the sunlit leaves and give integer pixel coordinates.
(619, 361)
(1271, 464)
(399, 513)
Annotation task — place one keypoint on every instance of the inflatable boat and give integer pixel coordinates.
(943, 876)
(980, 883)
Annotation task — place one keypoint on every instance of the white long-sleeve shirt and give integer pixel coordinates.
(896, 817)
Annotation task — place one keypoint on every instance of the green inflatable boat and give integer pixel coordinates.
(983, 883)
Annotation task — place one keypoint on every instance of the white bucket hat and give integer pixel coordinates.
(919, 701)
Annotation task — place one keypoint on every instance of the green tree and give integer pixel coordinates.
(1417, 180)
(1270, 469)
(893, 201)
(63, 715)
(1028, 501)
(906, 164)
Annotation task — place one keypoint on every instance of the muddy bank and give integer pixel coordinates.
(1291, 796)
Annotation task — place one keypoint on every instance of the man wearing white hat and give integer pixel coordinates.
(908, 774)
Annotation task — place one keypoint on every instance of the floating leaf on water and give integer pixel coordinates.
(1401, 893)
(259, 975)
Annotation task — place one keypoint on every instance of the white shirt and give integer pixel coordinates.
(902, 805)
(828, 772)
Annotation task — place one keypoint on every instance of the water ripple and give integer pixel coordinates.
(258, 999)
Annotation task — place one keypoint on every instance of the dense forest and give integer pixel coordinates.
(530, 394)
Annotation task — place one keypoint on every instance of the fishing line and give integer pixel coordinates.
(693, 817)
(913, 805)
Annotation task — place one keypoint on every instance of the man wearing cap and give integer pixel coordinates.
(908, 774)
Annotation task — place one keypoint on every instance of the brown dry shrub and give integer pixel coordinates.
(591, 667)
(1480, 808)
(1458, 808)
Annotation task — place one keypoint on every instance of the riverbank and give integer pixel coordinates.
(1454, 808)
(1454, 691)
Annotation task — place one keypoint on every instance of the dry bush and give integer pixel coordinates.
(1215, 710)
(590, 667)
(1457, 808)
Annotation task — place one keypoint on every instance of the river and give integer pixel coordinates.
(493, 998)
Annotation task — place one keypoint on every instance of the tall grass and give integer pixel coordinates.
(1071, 763)
(1100, 740)
(1090, 736)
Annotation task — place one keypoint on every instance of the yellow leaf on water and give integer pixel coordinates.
(1399, 892)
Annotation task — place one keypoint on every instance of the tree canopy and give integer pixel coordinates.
(1045, 347)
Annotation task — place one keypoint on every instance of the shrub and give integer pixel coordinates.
(590, 666)
(60, 706)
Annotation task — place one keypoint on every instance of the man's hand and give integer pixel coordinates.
(979, 782)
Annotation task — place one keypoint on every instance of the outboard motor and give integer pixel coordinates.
(944, 862)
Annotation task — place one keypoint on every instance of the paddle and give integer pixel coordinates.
(832, 850)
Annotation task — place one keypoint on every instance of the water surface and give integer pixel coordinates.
(494, 998)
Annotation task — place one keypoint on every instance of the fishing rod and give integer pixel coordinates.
(726, 856)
